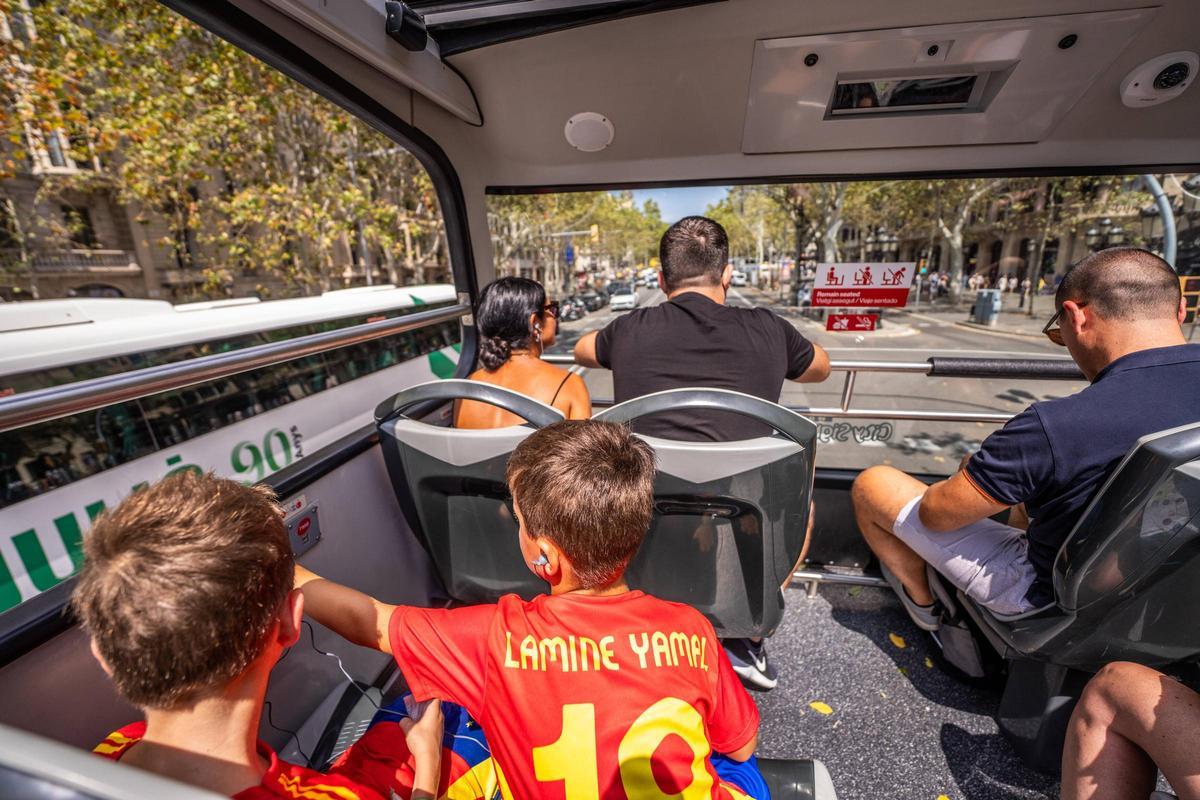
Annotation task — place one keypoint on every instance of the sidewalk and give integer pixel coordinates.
(1012, 319)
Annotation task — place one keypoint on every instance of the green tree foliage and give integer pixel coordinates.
(263, 174)
(530, 233)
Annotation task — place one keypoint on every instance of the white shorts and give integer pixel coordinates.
(988, 560)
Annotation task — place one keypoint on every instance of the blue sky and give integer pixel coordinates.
(676, 203)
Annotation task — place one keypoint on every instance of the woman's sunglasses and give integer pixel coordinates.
(551, 308)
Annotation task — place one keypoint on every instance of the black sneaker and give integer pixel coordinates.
(750, 662)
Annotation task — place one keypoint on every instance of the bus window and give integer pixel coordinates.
(219, 179)
(1011, 239)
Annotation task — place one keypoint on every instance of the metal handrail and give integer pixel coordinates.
(921, 367)
(43, 405)
(844, 411)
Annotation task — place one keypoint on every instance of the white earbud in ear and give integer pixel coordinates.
(540, 561)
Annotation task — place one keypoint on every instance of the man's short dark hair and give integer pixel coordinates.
(1125, 283)
(693, 252)
(587, 486)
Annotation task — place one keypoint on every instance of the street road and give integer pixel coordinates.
(907, 335)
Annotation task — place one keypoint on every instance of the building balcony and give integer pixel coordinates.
(79, 262)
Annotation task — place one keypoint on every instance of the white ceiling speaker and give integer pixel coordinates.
(1160, 79)
(589, 132)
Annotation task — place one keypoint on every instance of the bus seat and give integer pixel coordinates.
(797, 779)
(36, 768)
(1126, 582)
(451, 486)
(730, 517)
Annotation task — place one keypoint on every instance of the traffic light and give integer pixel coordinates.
(595, 233)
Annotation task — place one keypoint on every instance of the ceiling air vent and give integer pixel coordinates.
(909, 94)
(995, 81)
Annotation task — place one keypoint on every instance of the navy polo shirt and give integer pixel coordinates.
(1056, 454)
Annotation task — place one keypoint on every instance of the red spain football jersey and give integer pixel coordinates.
(377, 767)
(585, 697)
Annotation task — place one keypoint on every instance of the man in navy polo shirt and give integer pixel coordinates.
(1118, 312)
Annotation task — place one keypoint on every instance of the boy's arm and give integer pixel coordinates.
(733, 727)
(424, 739)
(745, 752)
(353, 615)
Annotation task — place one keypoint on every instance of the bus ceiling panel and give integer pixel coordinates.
(359, 27)
(974, 83)
(676, 86)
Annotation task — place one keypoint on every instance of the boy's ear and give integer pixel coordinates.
(555, 557)
(103, 664)
(290, 617)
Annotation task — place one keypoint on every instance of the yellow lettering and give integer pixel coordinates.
(679, 648)
(662, 649)
(697, 659)
(529, 653)
(574, 654)
(509, 661)
(641, 651)
(553, 648)
(584, 644)
(703, 653)
(606, 653)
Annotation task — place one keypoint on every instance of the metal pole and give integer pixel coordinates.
(1168, 217)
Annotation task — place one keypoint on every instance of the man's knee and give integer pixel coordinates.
(1115, 687)
(881, 491)
(871, 482)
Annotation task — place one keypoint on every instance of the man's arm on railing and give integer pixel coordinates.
(819, 369)
(585, 351)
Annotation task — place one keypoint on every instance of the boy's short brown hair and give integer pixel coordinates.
(589, 487)
(182, 584)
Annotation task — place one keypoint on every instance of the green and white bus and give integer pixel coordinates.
(58, 476)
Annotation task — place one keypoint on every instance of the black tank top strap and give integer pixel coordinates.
(559, 389)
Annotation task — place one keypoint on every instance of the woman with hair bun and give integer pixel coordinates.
(515, 324)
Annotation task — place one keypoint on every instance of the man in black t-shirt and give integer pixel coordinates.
(695, 340)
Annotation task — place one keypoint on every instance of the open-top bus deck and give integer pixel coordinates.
(500, 99)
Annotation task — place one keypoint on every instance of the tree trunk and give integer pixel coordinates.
(1040, 249)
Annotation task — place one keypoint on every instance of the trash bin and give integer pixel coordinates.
(987, 306)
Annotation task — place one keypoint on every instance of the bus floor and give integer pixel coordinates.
(860, 688)
(889, 721)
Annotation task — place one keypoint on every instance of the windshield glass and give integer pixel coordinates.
(963, 267)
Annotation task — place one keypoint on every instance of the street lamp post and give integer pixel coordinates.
(1104, 234)
(881, 245)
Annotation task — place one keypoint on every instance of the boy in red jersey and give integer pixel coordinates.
(187, 594)
(592, 691)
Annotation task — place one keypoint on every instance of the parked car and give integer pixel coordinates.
(594, 300)
(624, 299)
(739, 278)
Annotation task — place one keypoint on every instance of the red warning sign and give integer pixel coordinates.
(858, 285)
(851, 322)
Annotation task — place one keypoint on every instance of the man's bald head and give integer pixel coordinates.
(1122, 283)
